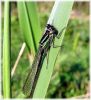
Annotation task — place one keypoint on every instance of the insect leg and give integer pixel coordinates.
(47, 50)
(47, 58)
(59, 35)
(56, 46)
(56, 57)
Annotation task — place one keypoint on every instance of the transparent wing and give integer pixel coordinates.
(31, 75)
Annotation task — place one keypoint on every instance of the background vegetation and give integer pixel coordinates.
(71, 74)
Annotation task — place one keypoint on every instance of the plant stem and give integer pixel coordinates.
(6, 52)
(18, 58)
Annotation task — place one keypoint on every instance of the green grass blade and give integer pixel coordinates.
(34, 21)
(60, 14)
(6, 53)
(0, 49)
(25, 26)
(76, 40)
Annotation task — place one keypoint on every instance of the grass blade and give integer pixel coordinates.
(60, 21)
(0, 50)
(34, 21)
(25, 26)
(6, 52)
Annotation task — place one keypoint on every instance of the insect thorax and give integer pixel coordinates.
(50, 32)
(52, 29)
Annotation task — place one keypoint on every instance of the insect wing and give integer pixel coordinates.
(31, 76)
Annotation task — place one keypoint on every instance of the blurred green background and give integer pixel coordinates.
(71, 73)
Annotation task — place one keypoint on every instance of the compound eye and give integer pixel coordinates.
(48, 26)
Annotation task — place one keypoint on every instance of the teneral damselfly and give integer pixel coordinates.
(44, 46)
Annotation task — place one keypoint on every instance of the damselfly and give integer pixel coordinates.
(44, 46)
